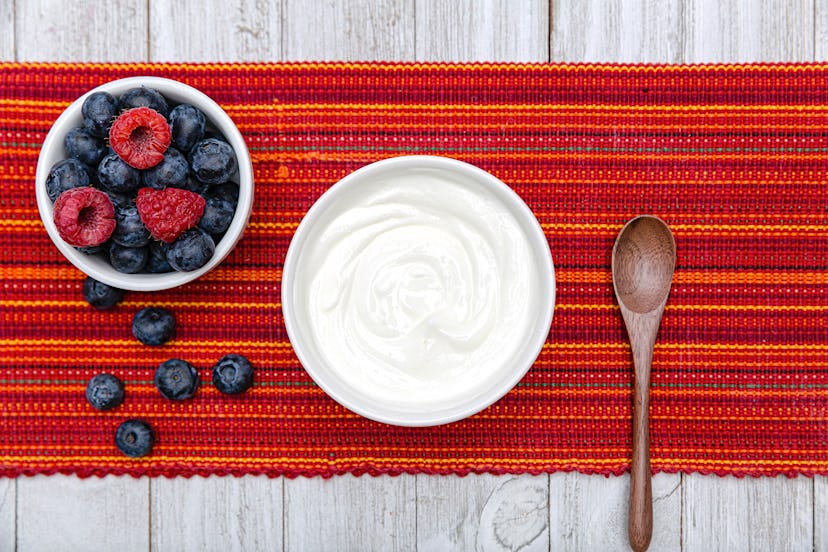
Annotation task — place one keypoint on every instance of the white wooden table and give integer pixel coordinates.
(551, 512)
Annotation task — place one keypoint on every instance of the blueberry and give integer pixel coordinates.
(129, 230)
(84, 146)
(157, 262)
(187, 126)
(135, 438)
(191, 250)
(144, 96)
(195, 185)
(172, 171)
(129, 260)
(105, 391)
(120, 200)
(153, 325)
(233, 374)
(100, 295)
(99, 109)
(213, 161)
(94, 249)
(176, 379)
(227, 190)
(65, 175)
(218, 214)
(116, 176)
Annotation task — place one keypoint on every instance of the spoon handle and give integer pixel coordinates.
(641, 493)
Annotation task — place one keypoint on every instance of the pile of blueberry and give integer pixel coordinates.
(175, 379)
(146, 184)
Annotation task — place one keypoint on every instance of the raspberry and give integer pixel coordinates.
(84, 216)
(140, 136)
(169, 212)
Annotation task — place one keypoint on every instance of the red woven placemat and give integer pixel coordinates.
(732, 157)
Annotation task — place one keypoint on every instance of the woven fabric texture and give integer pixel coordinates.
(732, 157)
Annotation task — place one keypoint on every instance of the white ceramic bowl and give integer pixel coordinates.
(355, 194)
(98, 267)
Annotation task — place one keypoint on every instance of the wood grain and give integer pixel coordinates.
(216, 513)
(749, 30)
(351, 513)
(67, 513)
(820, 30)
(247, 30)
(726, 513)
(92, 30)
(483, 512)
(8, 514)
(7, 31)
(475, 30)
(590, 512)
(617, 31)
(349, 30)
(820, 513)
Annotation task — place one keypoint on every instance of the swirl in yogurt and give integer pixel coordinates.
(418, 287)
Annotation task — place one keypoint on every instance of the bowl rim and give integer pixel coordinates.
(216, 115)
(539, 247)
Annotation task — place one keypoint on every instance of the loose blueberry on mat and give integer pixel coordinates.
(153, 325)
(172, 171)
(105, 391)
(176, 379)
(192, 250)
(84, 146)
(99, 109)
(135, 438)
(144, 96)
(129, 229)
(213, 161)
(233, 374)
(187, 125)
(100, 295)
(157, 261)
(218, 214)
(128, 260)
(65, 175)
(116, 176)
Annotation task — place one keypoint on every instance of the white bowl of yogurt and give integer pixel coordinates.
(418, 290)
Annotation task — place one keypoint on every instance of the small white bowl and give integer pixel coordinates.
(320, 242)
(96, 266)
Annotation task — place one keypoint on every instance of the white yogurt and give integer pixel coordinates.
(417, 288)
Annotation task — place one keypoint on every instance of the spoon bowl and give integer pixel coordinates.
(643, 262)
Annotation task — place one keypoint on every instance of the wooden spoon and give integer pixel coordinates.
(643, 261)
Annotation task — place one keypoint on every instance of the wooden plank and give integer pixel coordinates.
(590, 512)
(821, 513)
(820, 30)
(356, 30)
(726, 513)
(215, 30)
(7, 30)
(100, 30)
(483, 512)
(216, 513)
(489, 30)
(617, 31)
(67, 513)
(8, 514)
(749, 30)
(351, 513)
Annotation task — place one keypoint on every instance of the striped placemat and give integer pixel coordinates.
(732, 157)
